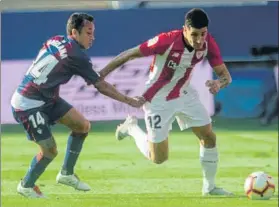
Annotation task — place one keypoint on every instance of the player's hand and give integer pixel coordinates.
(102, 75)
(137, 101)
(213, 85)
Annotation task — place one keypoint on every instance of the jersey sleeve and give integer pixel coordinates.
(157, 45)
(83, 67)
(213, 55)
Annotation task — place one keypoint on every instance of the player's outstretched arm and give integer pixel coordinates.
(110, 91)
(215, 60)
(224, 79)
(120, 60)
(223, 74)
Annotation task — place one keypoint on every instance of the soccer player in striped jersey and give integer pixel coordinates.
(169, 96)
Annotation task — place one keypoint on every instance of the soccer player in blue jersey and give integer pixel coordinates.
(36, 102)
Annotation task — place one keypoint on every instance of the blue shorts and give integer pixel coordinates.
(37, 121)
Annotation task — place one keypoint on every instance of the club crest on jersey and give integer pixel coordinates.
(199, 54)
(172, 64)
(176, 55)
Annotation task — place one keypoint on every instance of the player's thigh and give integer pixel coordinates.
(192, 114)
(158, 124)
(74, 120)
(58, 109)
(35, 123)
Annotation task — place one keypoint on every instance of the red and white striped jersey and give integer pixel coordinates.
(173, 62)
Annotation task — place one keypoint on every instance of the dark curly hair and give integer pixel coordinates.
(196, 18)
(77, 20)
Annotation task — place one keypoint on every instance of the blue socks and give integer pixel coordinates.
(37, 167)
(39, 163)
(74, 146)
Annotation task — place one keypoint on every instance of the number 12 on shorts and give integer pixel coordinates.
(36, 119)
(154, 121)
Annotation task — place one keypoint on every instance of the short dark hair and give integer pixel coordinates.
(196, 18)
(76, 21)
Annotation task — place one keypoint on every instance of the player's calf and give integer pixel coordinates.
(40, 162)
(80, 128)
(74, 147)
(38, 165)
(209, 160)
(159, 152)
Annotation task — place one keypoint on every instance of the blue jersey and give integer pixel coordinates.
(58, 60)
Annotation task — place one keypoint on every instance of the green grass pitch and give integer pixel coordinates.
(121, 177)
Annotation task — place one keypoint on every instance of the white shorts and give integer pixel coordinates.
(187, 110)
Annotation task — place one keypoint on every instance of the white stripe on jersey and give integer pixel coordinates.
(179, 71)
(157, 68)
(22, 103)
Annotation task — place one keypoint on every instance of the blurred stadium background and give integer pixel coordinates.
(245, 115)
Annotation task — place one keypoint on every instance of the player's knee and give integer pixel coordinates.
(83, 128)
(48, 148)
(208, 139)
(86, 126)
(50, 153)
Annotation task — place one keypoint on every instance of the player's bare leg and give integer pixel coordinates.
(159, 152)
(209, 160)
(156, 152)
(48, 151)
(80, 128)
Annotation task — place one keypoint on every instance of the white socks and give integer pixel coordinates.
(140, 138)
(208, 156)
(209, 162)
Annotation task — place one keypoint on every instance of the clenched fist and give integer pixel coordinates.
(213, 85)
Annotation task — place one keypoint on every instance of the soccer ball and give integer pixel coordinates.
(259, 186)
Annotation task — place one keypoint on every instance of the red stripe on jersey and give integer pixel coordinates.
(175, 92)
(166, 74)
(164, 78)
(29, 88)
